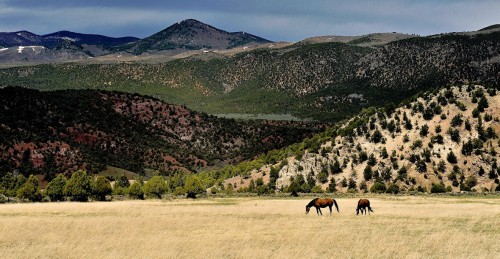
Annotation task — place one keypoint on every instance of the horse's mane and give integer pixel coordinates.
(312, 202)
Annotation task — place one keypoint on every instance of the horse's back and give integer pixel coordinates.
(363, 203)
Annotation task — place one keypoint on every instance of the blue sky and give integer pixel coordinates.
(287, 20)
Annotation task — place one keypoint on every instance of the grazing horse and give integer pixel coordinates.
(363, 205)
(322, 203)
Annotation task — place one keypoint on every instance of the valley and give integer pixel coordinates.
(371, 113)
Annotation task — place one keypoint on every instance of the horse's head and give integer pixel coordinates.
(307, 209)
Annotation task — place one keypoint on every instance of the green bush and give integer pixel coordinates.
(317, 189)
(451, 158)
(135, 191)
(294, 188)
(122, 181)
(102, 187)
(438, 188)
(155, 187)
(179, 191)
(368, 173)
(332, 186)
(193, 186)
(78, 187)
(3, 199)
(393, 188)
(378, 187)
(29, 190)
(55, 188)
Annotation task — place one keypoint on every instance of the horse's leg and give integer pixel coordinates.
(330, 207)
(320, 211)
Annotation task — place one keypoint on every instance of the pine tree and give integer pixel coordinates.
(79, 186)
(55, 188)
(30, 190)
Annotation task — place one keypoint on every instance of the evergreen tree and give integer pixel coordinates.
(30, 190)
(155, 187)
(368, 173)
(135, 191)
(122, 182)
(193, 186)
(332, 186)
(78, 187)
(55, 188)
(102, 187)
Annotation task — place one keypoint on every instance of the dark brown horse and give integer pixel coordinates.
(322, 203)
(363, 206)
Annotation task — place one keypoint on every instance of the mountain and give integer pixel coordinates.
(26, 38)
(89, 39)
(192, 35)
(327, 81)
(60, 131)
(24, 47)
(444, 140)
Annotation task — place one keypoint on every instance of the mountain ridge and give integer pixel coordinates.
(192, 34)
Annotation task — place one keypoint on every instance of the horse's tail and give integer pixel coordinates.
(336, 206)
(370, 208)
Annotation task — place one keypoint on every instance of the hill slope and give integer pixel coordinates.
(324, 81)
(58, 132)
(443, 139)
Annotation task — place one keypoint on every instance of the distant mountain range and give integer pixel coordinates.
(70, 46)
(57, 39)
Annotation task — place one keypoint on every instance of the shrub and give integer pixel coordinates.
(421, 166)
(368, 173)
(155, 187)
(378, 187)
(451, 158)
(393, 188)
(317, 189)
(438, 188)
(376, 137)
(402, 173)
(194, 186)
(29, 190)
(135, 191)
(3, 199)
(179, 191)
(457, 120)
(332, 186)
(122, 182)
(102, 187)
(294, 188)
(55, 188)
(78, 187)
(424, 130)
(352, 184)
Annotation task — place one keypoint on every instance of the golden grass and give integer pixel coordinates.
(401, 227)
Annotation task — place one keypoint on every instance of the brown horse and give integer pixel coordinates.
(322, 203)
(363, 206)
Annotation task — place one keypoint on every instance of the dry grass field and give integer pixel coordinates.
(401, 227)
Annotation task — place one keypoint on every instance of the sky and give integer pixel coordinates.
(277, 20)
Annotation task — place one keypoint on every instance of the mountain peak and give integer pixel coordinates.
(191, 34)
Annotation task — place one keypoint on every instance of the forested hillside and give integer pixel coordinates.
(323, 81)
(444, 140)
(59, 132)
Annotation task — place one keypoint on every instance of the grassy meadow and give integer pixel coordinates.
(400, 227)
